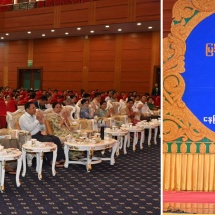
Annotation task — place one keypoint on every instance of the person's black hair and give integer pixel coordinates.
(72, 96)
(55, 103)
(102, 102)
(83, 101)
(130, 100)
(97, 94)
(28, 104)
(85, 95)
(32, 95)
(43, 98)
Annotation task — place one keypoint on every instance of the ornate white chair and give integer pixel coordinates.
(71, 110)
(77, 112)
(12, 119)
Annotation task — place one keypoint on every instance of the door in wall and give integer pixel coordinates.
(29, 78)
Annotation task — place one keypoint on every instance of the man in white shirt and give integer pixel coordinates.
(142, 106)
(34, 123)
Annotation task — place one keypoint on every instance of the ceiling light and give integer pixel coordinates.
(139, 23)
(150, 27)
(7, 34)
(78, 29)
(52, 30)
(43, 35)
(66, 33)
(29, 32)
(119, 29)
(107, 26)
(2, 38)
(92, 32)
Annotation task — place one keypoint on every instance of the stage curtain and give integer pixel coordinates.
(191, 172)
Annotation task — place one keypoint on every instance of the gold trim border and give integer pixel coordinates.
(178, 120)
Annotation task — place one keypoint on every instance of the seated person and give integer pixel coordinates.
(34, 123)
(40, 104)
(60, 124)
(85, 96)
(86, 112)
(96, 101)
(59, 120)
(142, 107)
(102, 112)
(68, 103)
(130, 112)
(150, 103)
(48, 102)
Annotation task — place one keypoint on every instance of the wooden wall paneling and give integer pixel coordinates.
(111, 11)
(62, 62)
(57, 16)
(1, 62)
(132, 10)
(75, 15)
(101, 61)
(102, 86)
(5, 71)
(1, 22)
(92, 13)
(155, 59)
(147, 10)
(135, 68)
(41, 18)
(140, 87)
(117, 69)
(167, 16)
(30, 49)
(17, 57)
(85, 69)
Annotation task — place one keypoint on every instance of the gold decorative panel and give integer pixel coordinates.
(179, 121)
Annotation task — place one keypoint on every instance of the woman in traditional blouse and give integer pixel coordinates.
(102, 110)
(86, 112)
(59, 120)
(61, 125)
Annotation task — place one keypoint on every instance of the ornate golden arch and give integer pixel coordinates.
(178, 121)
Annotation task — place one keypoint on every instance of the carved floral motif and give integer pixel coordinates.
(179, 121)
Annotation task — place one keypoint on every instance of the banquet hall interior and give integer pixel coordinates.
(72, 48)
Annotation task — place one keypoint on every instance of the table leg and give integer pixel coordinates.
(0, 171)
(121, 142)
(142, 139)
(135, 140)
(23, 162)
(89, 158)
(18, 170)
(38, 162)
(66, 152)
(54, 161)
(112, 159)
(125, 141)
(155, 135)
(149, 137)
(40, 165)
(3, 163)
(128, 145)
(118, 142)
